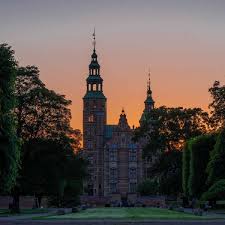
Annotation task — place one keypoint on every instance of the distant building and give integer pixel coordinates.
(115, 166)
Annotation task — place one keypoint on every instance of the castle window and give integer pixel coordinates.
(91, 118)
(113, 174)
(94, 87)
(133, 173)
(112, 154)
(132, 153)
(89, 145)
(133, 187)
(113, 187)
(90, 160)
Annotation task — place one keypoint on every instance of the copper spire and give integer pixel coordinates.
(94, 41)
(149, 91)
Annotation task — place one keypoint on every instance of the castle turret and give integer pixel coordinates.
(149, 102)
(94, 121)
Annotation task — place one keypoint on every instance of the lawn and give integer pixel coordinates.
(127, 213)
(5, 212)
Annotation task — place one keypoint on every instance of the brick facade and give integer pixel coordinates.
(115, 166)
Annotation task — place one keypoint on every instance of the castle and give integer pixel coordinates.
(116, 165)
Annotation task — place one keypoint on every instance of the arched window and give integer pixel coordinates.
(133, 173)
(91, 118)
(94, 87)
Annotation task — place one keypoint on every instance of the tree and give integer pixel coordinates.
(44, 126)
(148, 187)
(51, 168)
(168, 128)
(186, 168)
(218, 105)
(28, 84)
(216, 166)
(41, 113)
(215, 192)
(199, 148)
(166, 169)
(165, 132)
(9, 143)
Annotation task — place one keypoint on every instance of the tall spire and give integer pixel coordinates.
(149, 91)
(94, 80)
(94, 41)
(94, 67)
(149, 102)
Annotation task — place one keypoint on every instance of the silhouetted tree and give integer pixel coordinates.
(186, 168)
(41, 113)
(148, 187)
(50, 168)
(167, 169)
(165, 132)
(167, 129)
(9, 143)
(199, 148)
(44, 126)
(216, 192)
(218, 105)
(216, 166)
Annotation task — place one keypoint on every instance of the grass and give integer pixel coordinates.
(127, 213)
(6, 212)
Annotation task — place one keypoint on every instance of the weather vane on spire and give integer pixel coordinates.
(149, 77)
(149, 92)
(94, 42)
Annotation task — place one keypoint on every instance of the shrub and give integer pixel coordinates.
(215, 192)
(216, 166)
(185, 167)
(148, 187)
(199, 148)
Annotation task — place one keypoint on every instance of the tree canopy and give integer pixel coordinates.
(215, 192)
(199, 150)
(217, 106)
(50, 168)
(167, 129)
(49, 162)
(41, 112)
(216, 166)
(10, 144)
(165, 132)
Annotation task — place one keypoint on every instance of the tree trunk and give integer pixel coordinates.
(15, 206)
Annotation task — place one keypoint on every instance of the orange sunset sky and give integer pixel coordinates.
(182, 41)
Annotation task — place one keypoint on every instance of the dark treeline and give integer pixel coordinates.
(39, 150)
(185, 150)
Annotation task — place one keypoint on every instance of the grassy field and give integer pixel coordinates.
(127, 213)
(5, 212)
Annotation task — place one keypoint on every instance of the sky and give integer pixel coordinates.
(182, 42)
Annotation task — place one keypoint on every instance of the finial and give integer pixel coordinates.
(123, 110)
(149, 92)
(94, 42)
(149, 78)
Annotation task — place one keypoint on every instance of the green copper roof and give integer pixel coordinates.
(143, 117)
(149, 100)
(94, 94)
(109, 131)
(94, 78)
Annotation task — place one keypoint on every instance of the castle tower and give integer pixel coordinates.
(149, 102)
(94, 121)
